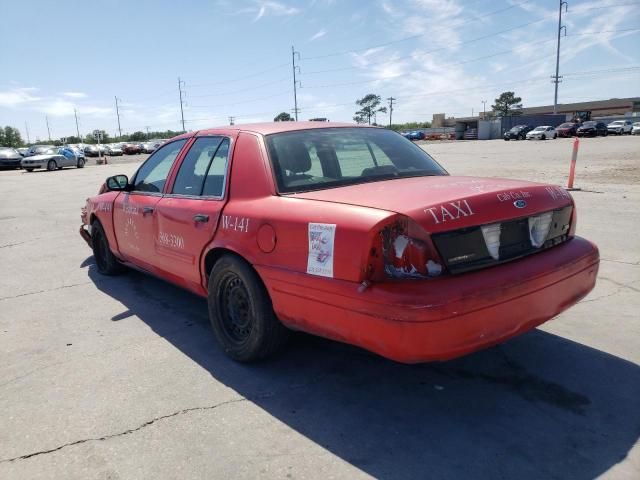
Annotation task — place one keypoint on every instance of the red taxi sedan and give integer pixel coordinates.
(348, 232)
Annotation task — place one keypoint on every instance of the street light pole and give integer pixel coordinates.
(46, 118)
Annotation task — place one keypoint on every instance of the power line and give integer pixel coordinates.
(345, 52)
(288, 92)
(434, 50)
(241, 90)
(275, 67)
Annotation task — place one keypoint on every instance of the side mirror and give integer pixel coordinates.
(117, 183)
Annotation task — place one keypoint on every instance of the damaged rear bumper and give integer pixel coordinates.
(438, 319)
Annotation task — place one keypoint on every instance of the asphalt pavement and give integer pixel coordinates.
(120, 377)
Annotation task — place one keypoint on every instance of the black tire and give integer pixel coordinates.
(543, 137)
(106, 261)
(29, 169)
(80, 163)
(52, 165)
(241, 313)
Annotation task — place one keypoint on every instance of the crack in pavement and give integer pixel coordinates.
(125, 432)
(635, 264)
(45, 291)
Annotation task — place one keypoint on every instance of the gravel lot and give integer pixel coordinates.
(120, 377)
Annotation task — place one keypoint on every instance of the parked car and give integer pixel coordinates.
(38, 149)
(131, 148)
(635, 130)
(620, 127)
(52, 159)
(348, 232)
(417, 135)
(9, 157)
(113, 150)
(543, 132)
(78, 152)
(519, 132)
(92, 151)
(592, 129)
(149, 147)
(23, 151)
(568, 129)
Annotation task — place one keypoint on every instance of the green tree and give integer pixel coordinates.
(10, 137)
(283, 117)
(138, 136)
(369, 106)
(507, 104)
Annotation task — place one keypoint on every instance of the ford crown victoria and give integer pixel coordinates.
(348, 232)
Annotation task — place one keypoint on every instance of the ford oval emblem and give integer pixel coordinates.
(520, 204)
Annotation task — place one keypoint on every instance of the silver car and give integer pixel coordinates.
(52, 159)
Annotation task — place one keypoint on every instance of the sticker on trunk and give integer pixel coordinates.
(321, 238)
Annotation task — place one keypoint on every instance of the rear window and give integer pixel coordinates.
(332, 157)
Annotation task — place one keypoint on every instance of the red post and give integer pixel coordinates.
(574, 157)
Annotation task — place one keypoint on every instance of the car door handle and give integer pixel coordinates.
(146, 210)
(201, 218)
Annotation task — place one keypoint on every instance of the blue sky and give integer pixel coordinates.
(235, 58)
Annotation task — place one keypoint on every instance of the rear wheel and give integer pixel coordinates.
(52, 165)
(543, 137)
(29, 169)
(106, 261)
(241, 312)
(80, 163)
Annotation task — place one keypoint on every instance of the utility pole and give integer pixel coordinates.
(180, 84)
(75, 114)
(484, 109)
(118, 115)
(295, 82)
(46, 118)
(232, 120)
(26, 127)
(391, 100)
(557, 78)
(147, 127)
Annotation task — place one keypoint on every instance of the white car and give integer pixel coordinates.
(542, 133)
(635, 130)
(620, 127)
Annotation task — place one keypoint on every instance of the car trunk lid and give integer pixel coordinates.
(444, 203)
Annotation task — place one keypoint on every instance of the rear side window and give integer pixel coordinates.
(330, 157)
(203, 170)
(152, 175)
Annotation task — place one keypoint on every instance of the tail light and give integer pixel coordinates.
(404, 250)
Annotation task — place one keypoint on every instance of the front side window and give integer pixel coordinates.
(331, 157)
(203, 170)
(153, 173)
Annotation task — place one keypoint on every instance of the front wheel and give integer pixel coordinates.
(52, 165)
(241, 312)
(543, 137)
(29, 169)
(106, 261)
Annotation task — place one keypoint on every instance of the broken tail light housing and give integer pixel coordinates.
(406, 252)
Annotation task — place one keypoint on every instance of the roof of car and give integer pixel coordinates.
(272, 127)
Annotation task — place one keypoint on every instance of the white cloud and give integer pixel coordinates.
(264, 8)
(75, 94)
(17, 96)
(318, 35)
